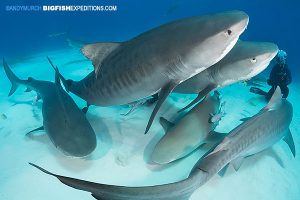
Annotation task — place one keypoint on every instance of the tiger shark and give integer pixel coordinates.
(257, 133)
(192, 130)
(157, 60)
(64, 123)
(246, 60)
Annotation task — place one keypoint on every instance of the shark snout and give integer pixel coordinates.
(238, 22)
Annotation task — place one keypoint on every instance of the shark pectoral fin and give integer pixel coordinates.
(201, 94)
(245, 119)
(237, 163)
(28, 90)
(163, 94)
(34, 130)
(223, 170)
(165, 123)
(289, 140)
(275, 99)
(96, 52)
(215, 137)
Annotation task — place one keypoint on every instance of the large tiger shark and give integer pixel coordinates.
(157, 60)
(259, 132)
(246, 60)
(64, 123)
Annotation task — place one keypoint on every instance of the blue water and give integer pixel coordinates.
(118, 158)
(23, 33)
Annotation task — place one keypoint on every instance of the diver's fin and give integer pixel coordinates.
(245, 119)
(67, 83)
(223, 170)
(28, 89)
(215, 137)
(37, 129)
(257, 90)
(275, 99)
(237, 163)
(201, 94)
(96, 52)
(165, 123)
(14, 80)
(163, 94)
(289, 140)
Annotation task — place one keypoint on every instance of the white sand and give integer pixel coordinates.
(123, 149)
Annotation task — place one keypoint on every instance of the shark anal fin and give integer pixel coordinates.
(165, 123)
(163, 94)
(223, 170)
(289, 140)
(34, 130)
(237, 163)
(201, 94)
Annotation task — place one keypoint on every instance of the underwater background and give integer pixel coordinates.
(26, 38)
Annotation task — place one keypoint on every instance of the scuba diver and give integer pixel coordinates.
(279, 76)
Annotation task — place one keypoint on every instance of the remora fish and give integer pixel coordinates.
(65, 124)
(244, 61)
(193, 130)
(256, 134)
(157, 60)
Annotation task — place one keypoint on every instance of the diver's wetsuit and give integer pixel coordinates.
(280, 76)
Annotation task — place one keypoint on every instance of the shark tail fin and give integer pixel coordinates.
(12, 77)
(67, 83)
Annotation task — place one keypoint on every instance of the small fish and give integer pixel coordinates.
(215, 118)
(3, 116)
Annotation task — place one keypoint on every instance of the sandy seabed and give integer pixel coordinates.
(123, 150)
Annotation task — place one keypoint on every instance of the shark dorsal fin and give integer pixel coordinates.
(96, 52)
(275, 100)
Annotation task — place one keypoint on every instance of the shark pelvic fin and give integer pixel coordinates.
(215, 137)
(275, 100)
(200, 96)
(163, 94)
(165, 123)
(28, 89)
(290, 142)
(96, 52)
(237, 163)
(223, 170)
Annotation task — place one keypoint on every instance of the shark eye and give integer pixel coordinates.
(228, 32)
(253, 60)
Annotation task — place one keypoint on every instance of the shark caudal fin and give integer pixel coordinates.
(67, 83)
(12, 77)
